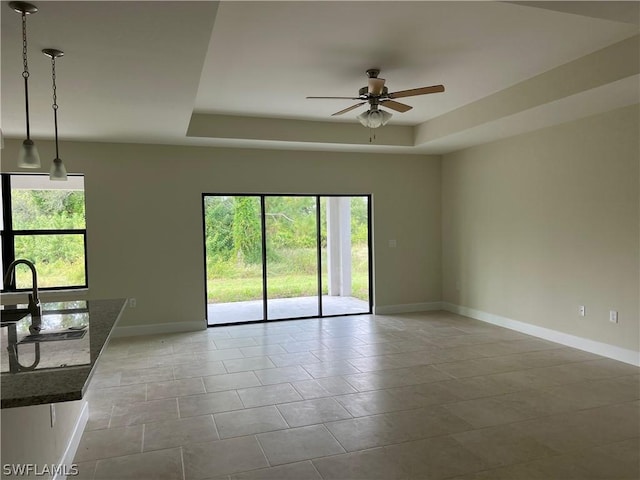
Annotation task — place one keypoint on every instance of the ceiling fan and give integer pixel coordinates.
(377, 95)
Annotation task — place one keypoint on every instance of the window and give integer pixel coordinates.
(44, 222)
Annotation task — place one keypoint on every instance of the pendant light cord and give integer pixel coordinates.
(25, 73)
(55, 101)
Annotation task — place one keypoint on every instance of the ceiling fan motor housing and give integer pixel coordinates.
(364, 92)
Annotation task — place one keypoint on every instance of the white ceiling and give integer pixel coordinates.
(237, 73)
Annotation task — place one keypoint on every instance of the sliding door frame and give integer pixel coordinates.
(263, 227)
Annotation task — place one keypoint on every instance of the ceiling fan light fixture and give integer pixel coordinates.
(374, 118)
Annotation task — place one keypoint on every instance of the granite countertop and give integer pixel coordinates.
(54, 367)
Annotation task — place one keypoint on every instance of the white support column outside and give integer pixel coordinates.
(339, 246)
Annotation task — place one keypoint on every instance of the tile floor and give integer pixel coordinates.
(424, 396)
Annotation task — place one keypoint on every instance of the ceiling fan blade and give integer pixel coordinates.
(376, 85)
(417, 91)
(397, 106)
(348, 109)
(339, 98)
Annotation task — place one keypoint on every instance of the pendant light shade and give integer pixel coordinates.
(57, 172)
(28, 157)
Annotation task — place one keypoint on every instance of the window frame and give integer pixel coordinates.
(265, 277)
(8, 236)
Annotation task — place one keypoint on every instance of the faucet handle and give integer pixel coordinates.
(34, 308)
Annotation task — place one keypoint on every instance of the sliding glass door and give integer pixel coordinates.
(345, 254)
(292, 257)
(234, 258)
(274, 257)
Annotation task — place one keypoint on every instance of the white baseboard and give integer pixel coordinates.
(406, 308)
(599, 348)
(156, 328)
(74, 442)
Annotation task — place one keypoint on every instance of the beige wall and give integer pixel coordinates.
(538, 224)
(144, 216)
(532, 226)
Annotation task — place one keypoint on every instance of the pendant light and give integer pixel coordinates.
(28, 157)
(58, 172)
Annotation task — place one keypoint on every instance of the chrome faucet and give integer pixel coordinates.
(34, 301)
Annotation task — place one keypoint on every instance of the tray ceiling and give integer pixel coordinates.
(237, 73)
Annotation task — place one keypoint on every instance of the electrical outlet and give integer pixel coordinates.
(52, 410)
(133, 303)
(582, 310)
(613, 316)
(393, 244)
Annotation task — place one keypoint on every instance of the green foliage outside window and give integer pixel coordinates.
(59, 258)
(47, 209)
(233, 244)
(246, 230)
